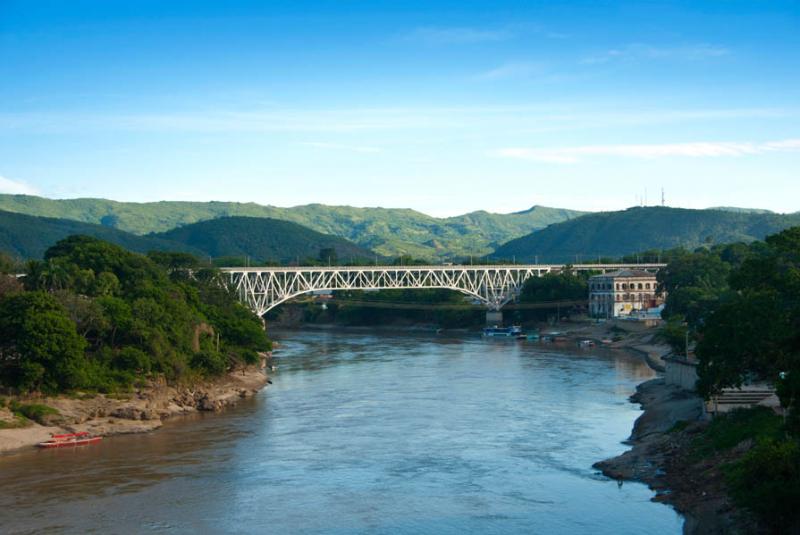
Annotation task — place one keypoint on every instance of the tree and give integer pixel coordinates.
(753, 331)
(328, 255)
(40, 348)
(554, 287)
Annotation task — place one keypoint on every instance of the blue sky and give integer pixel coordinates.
(444, 107)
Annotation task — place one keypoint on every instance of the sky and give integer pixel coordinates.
(443, 107)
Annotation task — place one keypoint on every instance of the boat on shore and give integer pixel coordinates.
(66, 440)
(513, 331)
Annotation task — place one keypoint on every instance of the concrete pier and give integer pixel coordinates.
(494, 317)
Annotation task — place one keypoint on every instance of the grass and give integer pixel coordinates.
(678, 426)
(729, 430)
(18, 423)
(33, 411)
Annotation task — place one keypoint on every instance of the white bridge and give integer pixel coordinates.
(264, 288)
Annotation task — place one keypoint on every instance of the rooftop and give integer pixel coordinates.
(627, 274)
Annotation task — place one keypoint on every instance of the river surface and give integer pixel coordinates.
(367, 433)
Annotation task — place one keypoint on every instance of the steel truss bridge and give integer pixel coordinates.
(264, 288)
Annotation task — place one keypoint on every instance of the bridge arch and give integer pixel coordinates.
(264, 288)
(303, 292)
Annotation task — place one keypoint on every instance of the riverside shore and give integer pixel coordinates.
(138, 412)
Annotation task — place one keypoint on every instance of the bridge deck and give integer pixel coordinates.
(263, 288)
(447, 267)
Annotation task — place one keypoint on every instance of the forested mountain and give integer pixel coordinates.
(613, 234)
(387, 231)
(25, 236)
(261, 239)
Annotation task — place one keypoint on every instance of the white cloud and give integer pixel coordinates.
(637, 51)
(16, 187)
(520, 69)
(567, 155)
(518, 118)
(456, 36)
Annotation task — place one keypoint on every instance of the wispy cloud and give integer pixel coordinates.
(338, 146)
(519, 69)
(16, 187)
(510, 118)
(568, 155)
(640, 51)
(457, 35)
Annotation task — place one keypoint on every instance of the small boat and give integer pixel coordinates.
(69, 440)
(586, 343)
(533, 336)
(514, 330)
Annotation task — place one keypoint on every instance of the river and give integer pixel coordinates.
(367, 433)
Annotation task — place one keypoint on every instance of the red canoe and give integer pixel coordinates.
(70, 439)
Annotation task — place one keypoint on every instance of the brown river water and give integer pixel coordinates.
(367, 433)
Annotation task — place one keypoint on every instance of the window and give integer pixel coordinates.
(647, 285)
(640, 285)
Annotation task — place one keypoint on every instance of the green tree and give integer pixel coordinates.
(328, 255)
(554, 287)
(40, 348)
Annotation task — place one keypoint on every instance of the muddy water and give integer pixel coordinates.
(364, 433)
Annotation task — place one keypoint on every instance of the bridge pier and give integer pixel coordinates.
(494, 317)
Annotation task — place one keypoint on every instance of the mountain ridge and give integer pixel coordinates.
(615, 234)
(387, 231)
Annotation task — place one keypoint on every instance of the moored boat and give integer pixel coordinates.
(514, 330)
(65, 440)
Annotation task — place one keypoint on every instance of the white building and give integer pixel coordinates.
(623, 292)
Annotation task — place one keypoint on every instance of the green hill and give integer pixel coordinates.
(639, 229)
(27, 236)
(262, 239)
(387, 231)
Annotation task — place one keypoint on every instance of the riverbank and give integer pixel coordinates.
(141, 411)
(664, 457)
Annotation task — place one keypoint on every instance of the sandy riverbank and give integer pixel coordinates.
(141, 411)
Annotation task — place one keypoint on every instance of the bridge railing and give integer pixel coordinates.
(448, 267)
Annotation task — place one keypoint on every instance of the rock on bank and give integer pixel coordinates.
(141, 411)
(661, 458)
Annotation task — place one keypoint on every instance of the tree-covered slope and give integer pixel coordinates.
(640, 229)
(388, 231)
(25, 236)
(262, 239)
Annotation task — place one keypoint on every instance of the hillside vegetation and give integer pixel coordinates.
(263, 239)
(237, 239)
(387, 231)
(615, 234)
(94, 316)
(25, 236)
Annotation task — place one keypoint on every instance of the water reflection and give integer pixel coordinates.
(366, 433)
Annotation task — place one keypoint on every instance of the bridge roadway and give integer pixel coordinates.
(264, 288)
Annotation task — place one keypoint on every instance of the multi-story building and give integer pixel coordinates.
(622, 292)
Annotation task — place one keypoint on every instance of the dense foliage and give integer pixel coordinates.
(265, 240)
(389, 232)
(95, 316)
(615, 234)
(444, 308)
(28, 236)
(742, 306)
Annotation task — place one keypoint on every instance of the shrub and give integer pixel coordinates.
(34, 411)
(767, 481)
(728, 430)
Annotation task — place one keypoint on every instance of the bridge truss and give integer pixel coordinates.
(264, 288)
